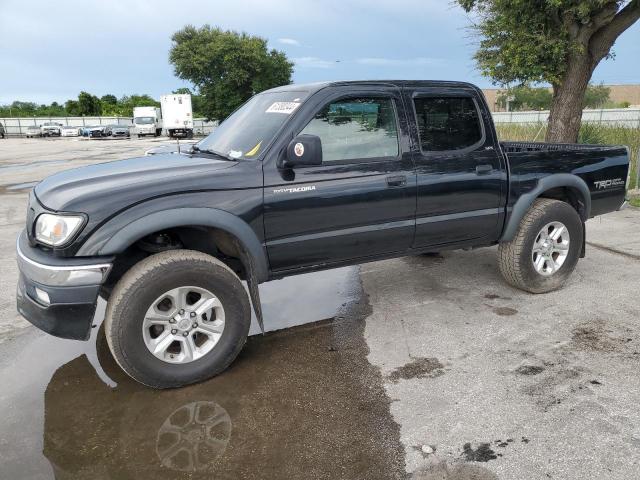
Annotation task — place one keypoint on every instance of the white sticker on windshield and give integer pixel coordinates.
(283, 107)
(235, 153)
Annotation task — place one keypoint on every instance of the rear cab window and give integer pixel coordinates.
(447, 123)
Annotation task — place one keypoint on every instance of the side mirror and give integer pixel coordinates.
(303, 151)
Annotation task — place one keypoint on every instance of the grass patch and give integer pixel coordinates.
(589, 133)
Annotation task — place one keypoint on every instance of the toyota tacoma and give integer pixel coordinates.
(299, 178)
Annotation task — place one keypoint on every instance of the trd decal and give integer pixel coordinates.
(612, 182)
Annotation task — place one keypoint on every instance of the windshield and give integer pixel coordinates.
(144, 120)
(247, 131)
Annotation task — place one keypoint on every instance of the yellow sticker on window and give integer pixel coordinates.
(254, 150)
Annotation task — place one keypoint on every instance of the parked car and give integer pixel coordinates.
(68, 131)
(97, 131)
(51, 129)
(86, 130)
(33, 131)
(299, 178)
(2, 131)
(117, 131)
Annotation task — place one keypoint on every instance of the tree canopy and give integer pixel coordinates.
(226, 67)
(530, 41)
(551, 41)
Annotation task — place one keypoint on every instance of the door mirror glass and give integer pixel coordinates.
(303, 151)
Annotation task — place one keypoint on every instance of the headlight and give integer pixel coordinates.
(55, 230)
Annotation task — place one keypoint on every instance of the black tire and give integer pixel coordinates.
(147, 280)
(515, 257)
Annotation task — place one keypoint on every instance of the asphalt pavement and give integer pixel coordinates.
(428, 367)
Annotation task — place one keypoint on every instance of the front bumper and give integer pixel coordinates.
(58, 296)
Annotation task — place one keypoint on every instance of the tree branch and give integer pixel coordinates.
(604, 38)
(597, 21)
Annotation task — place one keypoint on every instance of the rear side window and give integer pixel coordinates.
(356, 128)
(448, 123)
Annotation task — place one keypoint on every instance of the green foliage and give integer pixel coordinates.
(124, 106)
(529, 98)
(86, 104)
(525, 98)
(89, 104)
(226, 67)
(531, 41)
(109, 99)
(596, 96)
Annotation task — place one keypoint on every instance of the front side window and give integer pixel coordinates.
(356, 128)
(449, 123)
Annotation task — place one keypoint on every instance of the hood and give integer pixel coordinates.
(116, 185)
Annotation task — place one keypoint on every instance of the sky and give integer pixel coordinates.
(51, 50)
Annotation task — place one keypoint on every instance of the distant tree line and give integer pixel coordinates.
(525, 97)
(91, 105)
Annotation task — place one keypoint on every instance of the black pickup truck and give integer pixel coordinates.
(299, 178)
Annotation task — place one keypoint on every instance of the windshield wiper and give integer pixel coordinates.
(195, 148)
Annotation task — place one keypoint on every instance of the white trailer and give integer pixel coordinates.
(147, 121)
(177, 114)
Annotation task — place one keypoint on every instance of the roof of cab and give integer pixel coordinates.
(314, 87)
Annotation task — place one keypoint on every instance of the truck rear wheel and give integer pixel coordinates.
(545, 249)
(176, 318)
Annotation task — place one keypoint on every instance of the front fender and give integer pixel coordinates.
(546, 183)
(119, 233)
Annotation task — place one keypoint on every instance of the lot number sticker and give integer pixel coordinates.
(283, 107)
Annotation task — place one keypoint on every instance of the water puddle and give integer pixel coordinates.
(302, 402)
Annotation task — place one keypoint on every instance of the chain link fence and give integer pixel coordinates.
(623, 117)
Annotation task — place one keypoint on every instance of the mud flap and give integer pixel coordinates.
(583, 250)
(252, 281)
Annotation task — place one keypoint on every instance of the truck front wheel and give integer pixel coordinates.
(545, 249)
(176, 318)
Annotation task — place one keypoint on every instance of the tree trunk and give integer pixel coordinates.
(566, 106)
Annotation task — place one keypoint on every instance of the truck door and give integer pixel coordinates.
(461, 177)
(361, 201)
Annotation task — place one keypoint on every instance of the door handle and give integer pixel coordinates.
(483, 169)
(396, 181)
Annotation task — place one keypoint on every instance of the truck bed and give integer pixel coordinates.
(604, 169)
(517, 147)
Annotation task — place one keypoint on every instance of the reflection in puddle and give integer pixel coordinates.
(193, 436)
(298, 403)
